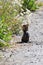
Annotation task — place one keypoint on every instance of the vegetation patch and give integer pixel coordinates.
(40, 4)
(4, 44)
(29, 4)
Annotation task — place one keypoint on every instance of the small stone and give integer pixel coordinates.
(28, 50)
(31, 62)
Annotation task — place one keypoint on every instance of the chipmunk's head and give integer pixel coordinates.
(25, 28)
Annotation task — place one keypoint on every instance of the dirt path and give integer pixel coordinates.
(36, 27)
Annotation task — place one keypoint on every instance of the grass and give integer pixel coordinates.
(40, 4)
(2, 45)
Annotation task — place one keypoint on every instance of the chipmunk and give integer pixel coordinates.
(25, 37)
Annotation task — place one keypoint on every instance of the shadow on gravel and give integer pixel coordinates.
(32, 42)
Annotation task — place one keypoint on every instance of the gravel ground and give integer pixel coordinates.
(27, 53)
(36, 27)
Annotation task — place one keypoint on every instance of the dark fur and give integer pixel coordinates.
(25, 37)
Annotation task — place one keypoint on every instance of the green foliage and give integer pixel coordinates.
(40, 4)
(29, 4)
(5, 33)
(4, 44)
(6, 15)
(16, 26)
(17, 8)
(8, 24)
